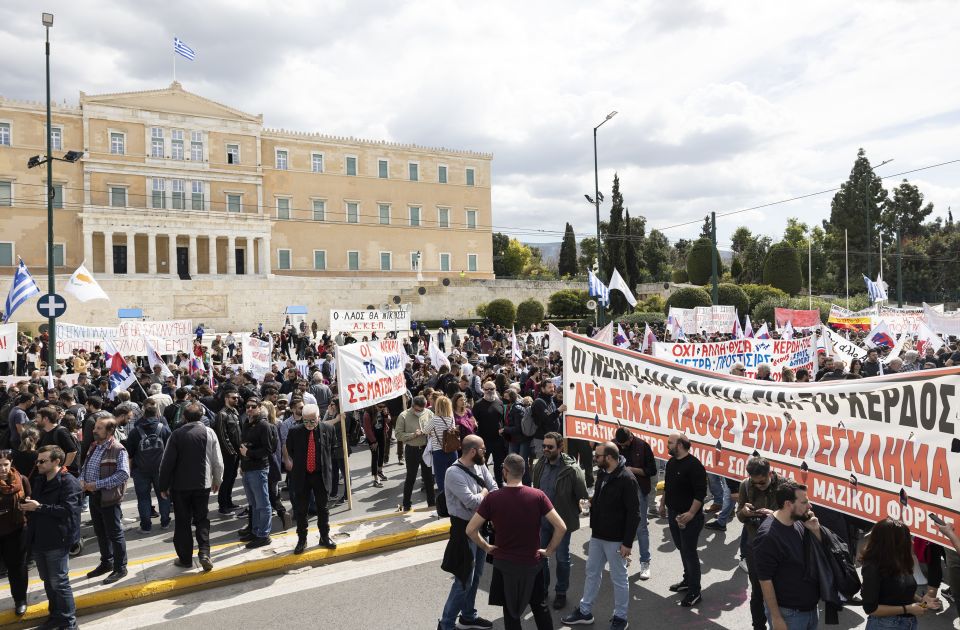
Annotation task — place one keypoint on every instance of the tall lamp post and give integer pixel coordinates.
(596, 189)
(70, 156)
(866, 198)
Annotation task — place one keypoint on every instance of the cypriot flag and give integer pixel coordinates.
(83, 287)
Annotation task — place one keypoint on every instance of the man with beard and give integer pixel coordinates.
(790, 593)
(685, 487)
(488, 412)
(411, 429)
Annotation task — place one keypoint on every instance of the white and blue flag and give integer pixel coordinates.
(876, 290)
(24, 287)
(598, 289)
(183, 50)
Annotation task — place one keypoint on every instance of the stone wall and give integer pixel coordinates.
(241, 302)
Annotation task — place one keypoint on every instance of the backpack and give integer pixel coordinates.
(528, 426)
(149, 451)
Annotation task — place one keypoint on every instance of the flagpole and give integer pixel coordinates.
(810, 271)
(846, 255)
(174, 65)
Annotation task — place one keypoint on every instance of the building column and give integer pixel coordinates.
(88, 248)
(108, 253)
(172, 254)
(131, 253)
(250, 256)
(152, 253)
(192, 255)
(212, 254)
(265, 258)
(231, 255)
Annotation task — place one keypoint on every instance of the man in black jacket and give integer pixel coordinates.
(546, 415)
(307, 456)
(614, 517)
(192, 467)
(227, 427)
(640, 461)
(488, 412)
(685, 488)
(257, 443)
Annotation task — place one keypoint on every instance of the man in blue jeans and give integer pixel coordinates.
(145, 444)
(720, 490)
(53, 526)
(559, 477)
(257, 443)
(614, 517)
(643, 465)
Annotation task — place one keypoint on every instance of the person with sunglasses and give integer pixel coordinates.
(14, 489)
(307, 456)
(227, 427)
(53, 527)
(258, 441)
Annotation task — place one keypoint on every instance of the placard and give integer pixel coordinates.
(361, 322)
(722, 355)
(369, 373)
(167, 337)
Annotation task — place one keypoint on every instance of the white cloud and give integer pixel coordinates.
(722, 106)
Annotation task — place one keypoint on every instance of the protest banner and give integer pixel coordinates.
(842, 349)
(846, 319)
(369, 373)
(8, 342)
(167, 337)
(940, 322)
(902, 321)
(705, 318)
(720, 356)
(797, 318)
(256, 355)
(7, 381)
(870, 448)
(361, 322)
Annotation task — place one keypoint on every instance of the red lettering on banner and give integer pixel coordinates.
(749, 431)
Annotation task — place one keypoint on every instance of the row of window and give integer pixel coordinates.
(282, 163)
(285, 256)
(7, 254)
(56, 136)
(158, 144)
(6, 196)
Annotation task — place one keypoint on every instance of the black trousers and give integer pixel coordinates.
(190, 509)
(413, 456)
(14, 551)
(538, 605)
(757, 613)
(312, 484)
(686, 540)
(498, 450)
(225, 496)
(378, 458)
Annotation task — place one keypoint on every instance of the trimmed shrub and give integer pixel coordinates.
(679, 276)
(781, 269)
(501, 311)
(732, 295)
(641, 318)
(757, 293)
(653, 304)
(688, 297)
(529, 312)
(568, 303)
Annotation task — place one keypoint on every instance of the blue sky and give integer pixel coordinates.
(721, 105)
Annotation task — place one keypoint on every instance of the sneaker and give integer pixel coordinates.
(560, 601)
(165, 525)
(143, 530)
(947, 592)
(743, 565)
(477, 623)
(715, 526)
(243, 513)
(679, 586)
(154, 513)
(577, 618)
(691, 599)
(377, 483)
(383, 477)
(616, 623)
(206, 563)
(259, 542)
(644, 570)
(116, 576)
(226, 511)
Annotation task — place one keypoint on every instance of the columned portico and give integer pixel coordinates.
(172, 254)
(152, 253)
(192, 255)
(212, 254)
(108, 253)
(231, 255)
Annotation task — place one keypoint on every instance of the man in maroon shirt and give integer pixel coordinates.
(515, 511)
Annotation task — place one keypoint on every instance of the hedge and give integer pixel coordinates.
(688, 297)
(529, 312)
(501, 311)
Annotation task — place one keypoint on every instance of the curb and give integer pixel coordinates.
(194, 581)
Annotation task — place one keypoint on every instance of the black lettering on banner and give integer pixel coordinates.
(928, 405)
(946, 391)
(891, 397)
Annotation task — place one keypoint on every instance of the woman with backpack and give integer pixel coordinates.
(444, 438)
(889, 590)
(14, 488)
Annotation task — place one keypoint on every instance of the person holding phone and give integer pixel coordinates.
(889, 589)
(757, 499)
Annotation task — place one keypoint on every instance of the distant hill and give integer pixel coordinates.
(550, 253)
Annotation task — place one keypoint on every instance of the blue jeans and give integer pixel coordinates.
(600, 553)
(54, 569)
(142, 484)
(258, 501)
(442, 461)
(721, 494)
(463, 601)
(892, 623)
(797, 619)
(563, 559)
(643, 534)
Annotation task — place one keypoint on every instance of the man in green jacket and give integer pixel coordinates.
(411, 430)
(559, 477)
(757, 500)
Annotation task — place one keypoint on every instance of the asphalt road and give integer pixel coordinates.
(407, 589)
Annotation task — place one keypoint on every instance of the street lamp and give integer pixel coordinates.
(596, 187)
(866, 195)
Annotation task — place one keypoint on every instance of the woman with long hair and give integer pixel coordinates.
(466, 423)
(889, 589)
(14, 488)
(441, 422)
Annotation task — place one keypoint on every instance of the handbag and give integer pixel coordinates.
(451, 440)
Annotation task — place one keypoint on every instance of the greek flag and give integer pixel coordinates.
(598, 289)
(23, 289)
(876, 290)
(183, 50)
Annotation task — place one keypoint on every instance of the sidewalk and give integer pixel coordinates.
(156, 577)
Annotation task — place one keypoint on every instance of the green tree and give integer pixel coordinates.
(736, 269)
(782, 268)
(567, 262)
(634, 229)
(732, 295)
(515, 258)
(700, 264)
(501, 311)
(688, 297)
(740, 239)
(855, 206)
(678, 256)
(757, 293)
(806, 241)
(568, 303)
(588, 254)
(905, 211)
(614, 256)
(500, 244)
(529, 312)
(706, 231)
(656, 256)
